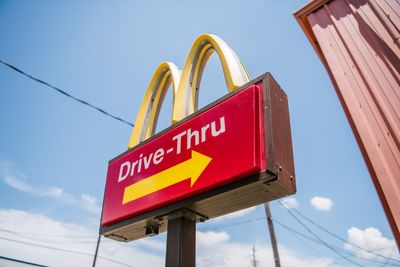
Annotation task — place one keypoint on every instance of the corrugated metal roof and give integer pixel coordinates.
(358, 41)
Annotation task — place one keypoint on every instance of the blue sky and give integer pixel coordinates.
(54, 151)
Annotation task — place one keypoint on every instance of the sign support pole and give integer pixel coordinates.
(181, 241)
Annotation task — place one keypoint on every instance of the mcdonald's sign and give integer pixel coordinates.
(232, 154)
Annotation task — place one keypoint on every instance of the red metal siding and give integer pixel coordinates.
(358, 42)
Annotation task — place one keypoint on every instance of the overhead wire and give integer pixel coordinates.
(24, 263)
(322, 241)
(2, 229)
(341, 238)
(50, 241)
(305, 236)
(232, 224)
(391, 255)
(330, 247)
(65, 250)
(208, 229)
(317, 242)
(299, 235)
(102, 111)
(64, 93)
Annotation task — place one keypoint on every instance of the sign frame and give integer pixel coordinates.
(277, 181)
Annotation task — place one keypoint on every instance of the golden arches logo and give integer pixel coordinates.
(185, 84)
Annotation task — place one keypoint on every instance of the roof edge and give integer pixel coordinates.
(301, 16)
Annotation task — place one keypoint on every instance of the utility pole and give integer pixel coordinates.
(272, 235)
(97, 250)
(254, 262)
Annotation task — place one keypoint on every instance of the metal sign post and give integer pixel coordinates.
(181, 242)
(181, 238)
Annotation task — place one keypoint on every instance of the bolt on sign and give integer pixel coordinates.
(232, 154)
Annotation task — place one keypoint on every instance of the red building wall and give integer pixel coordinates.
(359, 43)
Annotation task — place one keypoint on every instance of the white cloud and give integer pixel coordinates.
(371, 239)
(42, 230)
(151, 244)
(210, 238)
(236, 214)
(55, 192)
(90, 203)
(239, 254)
(17, 184)
(214, 248)
(21, 185)
(322, 203)
(18, 181)
(290, 203)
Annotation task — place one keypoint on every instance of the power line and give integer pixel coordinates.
(51, 241)
(64, 250)
(298, 235)
(64, 93)
(233, 224)
(317, 239)
(44, 246)
(341, 238)
(322, 241)
(330, 247)
(294, 231)
(207, 229)
(47, 235)
(20, 261)
(391, 255)
(317, 242)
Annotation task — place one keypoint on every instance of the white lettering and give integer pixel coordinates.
(147, 161)
(158, 156)
(178, 142)
(127, 166)
(139, 168)
(221, 127)
(190, 136)
(135, 163)
(203, 132)
(193, 138)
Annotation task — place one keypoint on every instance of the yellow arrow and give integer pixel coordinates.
(191, 168)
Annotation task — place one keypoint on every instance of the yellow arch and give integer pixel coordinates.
(235, 73)
(165, 74)
(185, 85)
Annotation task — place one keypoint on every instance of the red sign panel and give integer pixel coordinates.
(218, 146)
